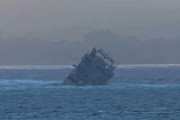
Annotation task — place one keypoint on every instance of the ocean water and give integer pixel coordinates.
(136, 92)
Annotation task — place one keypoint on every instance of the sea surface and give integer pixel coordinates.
(136, 92)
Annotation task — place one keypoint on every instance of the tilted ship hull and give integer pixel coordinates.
(96, 68)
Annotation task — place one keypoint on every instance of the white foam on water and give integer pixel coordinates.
(23, 84)
(12, 82)
(142, 85)
(53, 84)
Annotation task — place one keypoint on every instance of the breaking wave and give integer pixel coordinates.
(54, 84)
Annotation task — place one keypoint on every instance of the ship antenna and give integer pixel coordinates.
(107, 54)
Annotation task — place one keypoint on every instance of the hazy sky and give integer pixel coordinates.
(61, 31)
(72, 19)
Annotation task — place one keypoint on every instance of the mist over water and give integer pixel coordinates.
(135, 92)
(125, 49)
(42, 34)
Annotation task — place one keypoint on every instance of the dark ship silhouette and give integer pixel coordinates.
(96, 68)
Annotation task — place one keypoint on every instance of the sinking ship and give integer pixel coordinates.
(95, 68)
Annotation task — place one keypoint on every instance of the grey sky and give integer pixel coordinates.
(72, 19)
(34, 32)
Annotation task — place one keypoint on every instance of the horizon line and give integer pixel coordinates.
(70, 66)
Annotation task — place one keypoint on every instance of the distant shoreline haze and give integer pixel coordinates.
(125, 50)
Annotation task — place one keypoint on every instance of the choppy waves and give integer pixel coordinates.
(134, 93)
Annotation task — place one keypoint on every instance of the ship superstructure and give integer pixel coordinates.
(96, 68)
